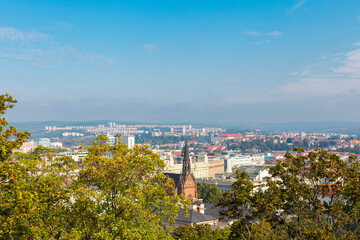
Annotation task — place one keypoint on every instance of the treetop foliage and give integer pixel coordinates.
(209, 193)
(115, 192)
(10, 138)
(309, 196)
(200, 232)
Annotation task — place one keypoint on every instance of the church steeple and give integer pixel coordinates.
(186, 170)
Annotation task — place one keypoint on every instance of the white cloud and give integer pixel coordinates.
(299, 4)
(149, 46)
(40, 48)
(351, 64)
(13, 34)
(324, 56)
(301, 73)
(23, 57)
(341, 80)
(55, 54)
(275, 34)
(257, 33)
(26, 54)
(357, 44)
(317, 86)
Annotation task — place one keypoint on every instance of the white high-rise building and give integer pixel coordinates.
(112, 139)
(126, 139)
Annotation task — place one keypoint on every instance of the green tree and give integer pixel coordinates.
(116, 193)
(200, 232)
(309, 196)
(200, 190)
(121, 193)
(10, 138)
(237, 204)
(210, 194)
(33, 200)
(215, 195)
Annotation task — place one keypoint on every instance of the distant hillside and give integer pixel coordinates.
(338, 127)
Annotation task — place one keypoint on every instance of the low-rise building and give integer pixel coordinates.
(241, 160)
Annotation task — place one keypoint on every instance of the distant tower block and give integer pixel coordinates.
(125, 139)
(129, 141)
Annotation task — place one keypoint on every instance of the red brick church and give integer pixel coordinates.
(185, 181)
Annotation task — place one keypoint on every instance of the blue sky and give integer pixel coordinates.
(182, 61)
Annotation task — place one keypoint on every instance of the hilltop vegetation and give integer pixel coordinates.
(118, 193)
(309, 196)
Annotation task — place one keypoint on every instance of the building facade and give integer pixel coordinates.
(125, 139)
(185, 181)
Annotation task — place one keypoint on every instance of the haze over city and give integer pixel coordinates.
(181, 61)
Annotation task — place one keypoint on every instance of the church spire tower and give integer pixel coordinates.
(186, 170)
(185, 182)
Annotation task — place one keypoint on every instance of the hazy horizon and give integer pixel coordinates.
(330, 126)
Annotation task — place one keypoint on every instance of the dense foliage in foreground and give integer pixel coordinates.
(117, 193)
(309, 196)
(200, 232)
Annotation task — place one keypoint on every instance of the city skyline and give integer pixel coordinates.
(182, 61)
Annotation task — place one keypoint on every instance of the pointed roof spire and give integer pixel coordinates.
(186, 161)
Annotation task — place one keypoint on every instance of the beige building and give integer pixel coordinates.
(28, 146)
(199, 167)
(202, 166)
(216, 166)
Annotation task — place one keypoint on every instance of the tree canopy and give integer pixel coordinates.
(309, 196)
(122, 193)
(10, 138)
(200, 232)
(115, 192)
(209, 194)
